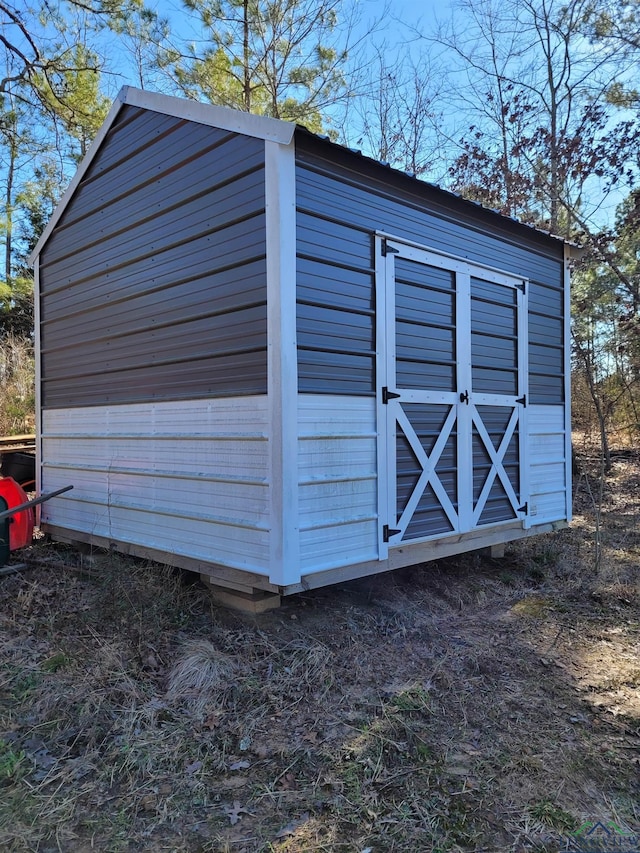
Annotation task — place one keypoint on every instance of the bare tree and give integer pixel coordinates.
(541, 82)
(535, 92)
(50, 102)
(33, 51)
(392, 116)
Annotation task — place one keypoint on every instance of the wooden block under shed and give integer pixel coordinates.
(495, 552)
(257, 601)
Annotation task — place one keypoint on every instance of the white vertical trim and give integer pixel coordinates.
(523, 391)
(382, 414)
(567, 379)
(282, 382)
(465, 410)
(393, 406)
(38, 379)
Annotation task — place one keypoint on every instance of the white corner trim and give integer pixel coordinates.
(38, 382)
(385, 325)
(568, 256)
(282, 383)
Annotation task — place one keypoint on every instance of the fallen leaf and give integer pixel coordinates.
(233, 782)
(233, 812)
(193, 768)
(287, 782)
(212, 722)
(240, 765)
(291, 828)
(148, 802)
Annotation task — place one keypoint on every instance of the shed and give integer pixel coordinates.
(269, 359)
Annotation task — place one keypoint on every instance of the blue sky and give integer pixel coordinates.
(400, 21)
(392, 13)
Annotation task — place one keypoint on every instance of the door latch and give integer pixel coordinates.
(464, 397)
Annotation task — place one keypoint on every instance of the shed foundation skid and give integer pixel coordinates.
(266, 596)
(277, 363)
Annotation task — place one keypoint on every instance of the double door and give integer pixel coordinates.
(452, 377)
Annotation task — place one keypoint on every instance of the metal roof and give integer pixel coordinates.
(261, 127)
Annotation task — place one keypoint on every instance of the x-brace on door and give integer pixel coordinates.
(452, 377)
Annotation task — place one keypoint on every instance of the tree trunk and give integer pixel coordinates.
(9, 211)
(597, 404)
(246, 56)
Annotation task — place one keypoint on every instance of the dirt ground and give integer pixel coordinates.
(464, 705)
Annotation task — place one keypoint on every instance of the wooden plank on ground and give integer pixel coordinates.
(9, 443)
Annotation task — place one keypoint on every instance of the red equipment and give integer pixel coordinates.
(21, 529)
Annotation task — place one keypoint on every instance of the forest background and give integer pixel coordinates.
(529, 107)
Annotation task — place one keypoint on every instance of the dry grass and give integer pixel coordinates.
(469, 705)
(17, 400)
(200, 678)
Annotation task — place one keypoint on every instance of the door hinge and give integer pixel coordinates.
(388, 532)
(388, 395)
(464, 397)
(522, 400)
(524, 508)
(388, 250)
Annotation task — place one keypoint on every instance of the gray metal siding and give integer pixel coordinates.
(342, 200)
(498, 506)
(546, 344)
(153, 283)
(494, 338)
(335, 273)
(429, 517)
(425, 330)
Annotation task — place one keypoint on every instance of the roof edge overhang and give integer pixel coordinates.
(259, 127)
(417, 184)
(248, 124)
(575, 251)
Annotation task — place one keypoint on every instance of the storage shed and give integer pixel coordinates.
(271, 360)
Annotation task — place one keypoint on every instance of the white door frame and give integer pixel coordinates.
(389, 411)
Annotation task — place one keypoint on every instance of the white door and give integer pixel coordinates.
(452, 374)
